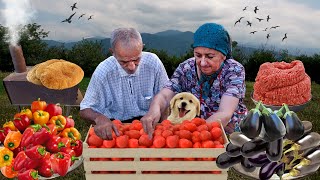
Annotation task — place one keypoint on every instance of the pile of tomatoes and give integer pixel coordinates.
(196, 133)
(39, 141)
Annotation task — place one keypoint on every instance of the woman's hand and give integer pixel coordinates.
(104, 127)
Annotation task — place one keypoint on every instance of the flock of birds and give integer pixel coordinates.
(259, 19)
(74, 6)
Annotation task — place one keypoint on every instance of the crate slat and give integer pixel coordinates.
(151, 166)
(152, 152)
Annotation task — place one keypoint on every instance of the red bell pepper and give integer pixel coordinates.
(60, 163)
(45, 169)
(71, 153)
(27, 135)
(17, 150)
(31, 163)
(77, 147)
(30, 174)
(54, 109)
(54, 144)
(3, 133)
(41, 137)
(36, 152)
(21, 122)
(53, 129)
(19, 161)
(70, 122)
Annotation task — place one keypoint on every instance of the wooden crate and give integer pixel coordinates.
(98, 166)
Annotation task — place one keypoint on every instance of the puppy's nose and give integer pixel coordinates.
(183, 104)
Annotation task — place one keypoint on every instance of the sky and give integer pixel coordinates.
(298, 18)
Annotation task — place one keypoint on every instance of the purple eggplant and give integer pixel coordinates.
(274, 150)
(300, 170)
(233, 150)
(267, 170)
(246, 165)
(259, 160)
(251, 125)
(307, 126)
(273, 125)
(253, 147)
(238, 139)
(294, 126)
(224, 161)
(309, 141)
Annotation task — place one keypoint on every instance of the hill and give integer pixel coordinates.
(178, 43)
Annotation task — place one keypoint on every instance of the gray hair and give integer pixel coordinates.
(125, 35)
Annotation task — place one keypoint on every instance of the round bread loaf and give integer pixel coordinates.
(61, 75)
(41, 66)
(32, 77)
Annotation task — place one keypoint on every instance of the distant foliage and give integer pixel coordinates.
(88, 55)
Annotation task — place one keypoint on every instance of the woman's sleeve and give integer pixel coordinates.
(235, 82)
(175, 83)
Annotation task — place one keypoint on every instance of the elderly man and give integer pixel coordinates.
(123, 85)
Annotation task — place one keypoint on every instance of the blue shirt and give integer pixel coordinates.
(122, 96)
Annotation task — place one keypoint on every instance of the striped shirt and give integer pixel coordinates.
(122, 96)
(230, 82)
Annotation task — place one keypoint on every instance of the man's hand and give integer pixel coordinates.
(149, 122)
(104, 127)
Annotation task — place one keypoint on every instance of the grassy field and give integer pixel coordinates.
(310, 113)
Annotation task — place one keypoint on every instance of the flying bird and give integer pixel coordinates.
(74, 6)
(238, 21)
(90, 17)
(259, 19)
(265, 29)
(255, 9)
(245, 8)
(253, 32)
(69, 18)
(274, 27)
(81, 16)
(249, 23)
(285, 37)
(268, 18)
(268, 35)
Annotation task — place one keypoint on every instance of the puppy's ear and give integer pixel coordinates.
(198, 106)
(173, 102)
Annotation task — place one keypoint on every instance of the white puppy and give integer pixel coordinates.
(183, 106)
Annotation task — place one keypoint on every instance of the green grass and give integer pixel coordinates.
(310, 113)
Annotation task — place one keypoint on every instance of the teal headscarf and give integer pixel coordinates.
(213, 36)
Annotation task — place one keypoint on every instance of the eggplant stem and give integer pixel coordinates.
(294, 172)
(293, 148)
(286, 107)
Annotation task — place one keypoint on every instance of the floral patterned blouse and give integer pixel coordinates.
(230, 82)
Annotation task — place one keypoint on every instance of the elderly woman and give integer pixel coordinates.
(216, 79)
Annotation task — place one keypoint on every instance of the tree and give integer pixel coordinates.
(34, 49)
(88, 55)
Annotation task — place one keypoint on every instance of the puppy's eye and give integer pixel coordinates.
(181, 98)
(190, 101)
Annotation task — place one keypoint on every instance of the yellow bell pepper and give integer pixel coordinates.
(27, 112)
(72, 133)
(59, 121)
(40, 117)
(6, 157)
(10, 125)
